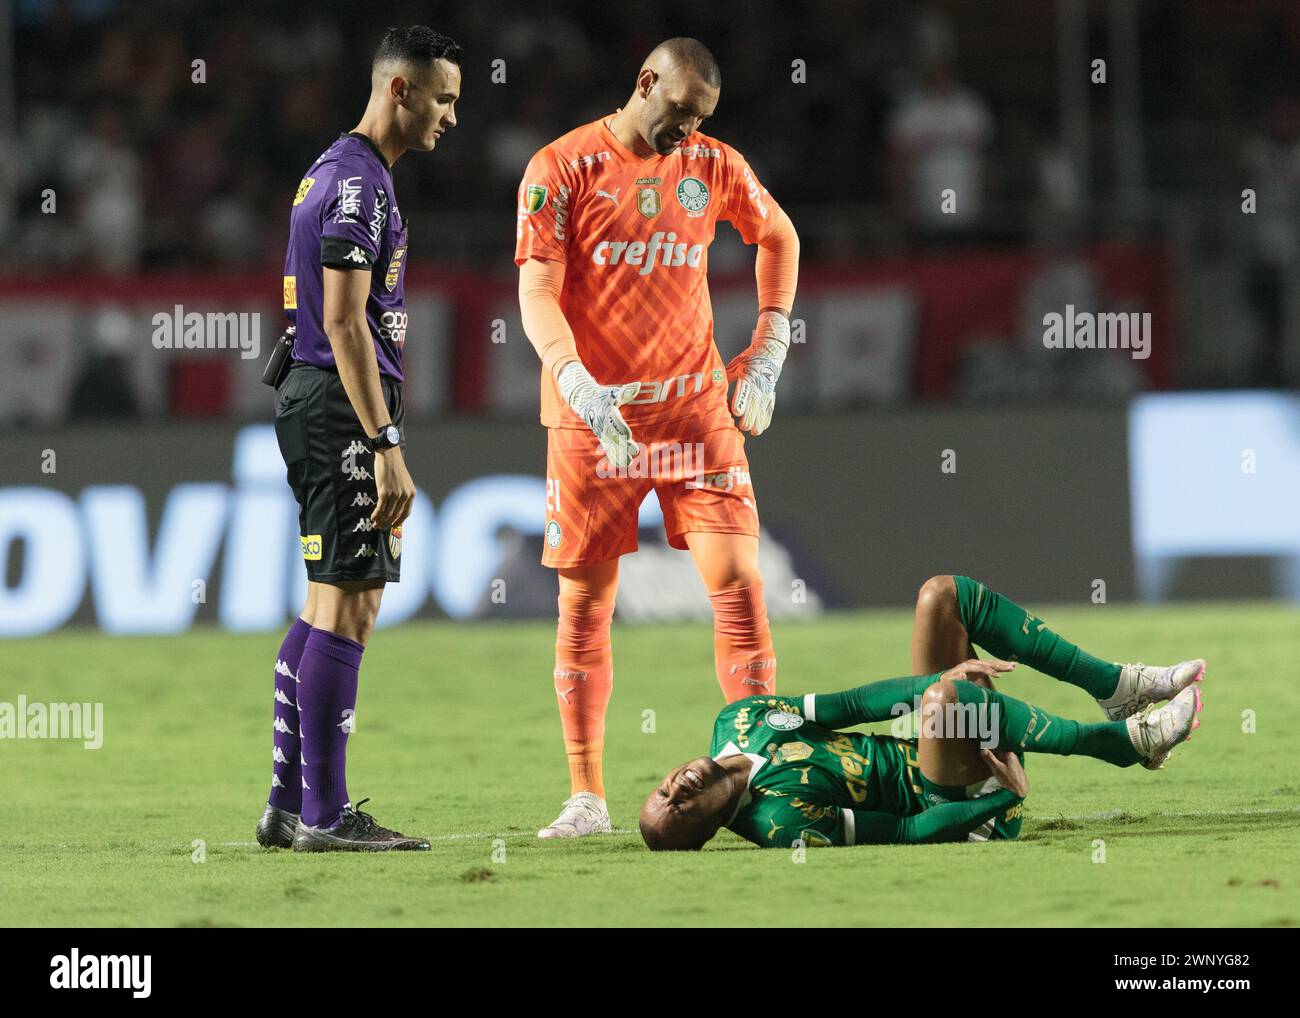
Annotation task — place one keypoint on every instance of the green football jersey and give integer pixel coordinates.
(806, 780)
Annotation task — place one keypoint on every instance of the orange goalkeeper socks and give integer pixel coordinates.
(584, 679)
(742, 643)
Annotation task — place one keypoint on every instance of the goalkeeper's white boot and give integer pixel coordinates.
(1155, 731)
(583, 814)
(1140, 685)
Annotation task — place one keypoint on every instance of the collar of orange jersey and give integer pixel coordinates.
(622, 151)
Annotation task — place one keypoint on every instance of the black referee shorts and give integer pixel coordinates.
(332, 473)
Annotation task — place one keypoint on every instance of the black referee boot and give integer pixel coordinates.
(356, 832)
(275, 829)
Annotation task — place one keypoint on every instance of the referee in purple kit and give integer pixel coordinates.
(338, 419)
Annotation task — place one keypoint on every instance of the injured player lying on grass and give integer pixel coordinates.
(780, 771)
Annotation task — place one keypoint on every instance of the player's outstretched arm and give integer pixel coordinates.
(540, 284)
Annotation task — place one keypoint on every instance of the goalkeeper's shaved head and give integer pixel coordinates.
(683, 54)
(676, 90)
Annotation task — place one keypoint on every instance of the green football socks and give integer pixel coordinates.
(1008, 631)
(1023, 727)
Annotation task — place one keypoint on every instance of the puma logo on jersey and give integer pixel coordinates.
(612, 197)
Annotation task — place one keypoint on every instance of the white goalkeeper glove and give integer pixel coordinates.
(756, 371)
(598, 406)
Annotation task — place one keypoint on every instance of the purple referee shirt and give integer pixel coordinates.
(345, 216)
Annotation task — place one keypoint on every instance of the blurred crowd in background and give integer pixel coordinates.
(154, 171)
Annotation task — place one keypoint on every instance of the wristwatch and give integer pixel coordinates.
(387, 438)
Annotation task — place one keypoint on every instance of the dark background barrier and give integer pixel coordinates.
(1037, 504)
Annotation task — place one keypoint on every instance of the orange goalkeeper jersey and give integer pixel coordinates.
(634, 235)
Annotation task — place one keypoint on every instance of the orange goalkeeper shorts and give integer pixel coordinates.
(702, 481)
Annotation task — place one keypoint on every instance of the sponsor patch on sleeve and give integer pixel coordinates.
(535, 198)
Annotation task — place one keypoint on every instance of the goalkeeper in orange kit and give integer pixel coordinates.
(615, 219)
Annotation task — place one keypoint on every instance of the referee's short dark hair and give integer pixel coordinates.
(416, 44)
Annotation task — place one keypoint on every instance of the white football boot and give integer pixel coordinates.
(1141, 684)
(583, 814)
(1155, 731)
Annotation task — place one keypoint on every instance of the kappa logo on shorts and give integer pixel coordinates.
(553, 534)
(782, 721)
(311, 547)
(349, 465)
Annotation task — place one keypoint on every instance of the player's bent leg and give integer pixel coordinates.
(584, 681)
(939, 639)
(1005, 722)
(951, 768)
(947, 756)
(744, 660)
(1005, 629)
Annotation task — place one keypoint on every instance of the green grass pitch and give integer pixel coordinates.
(457, 738)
